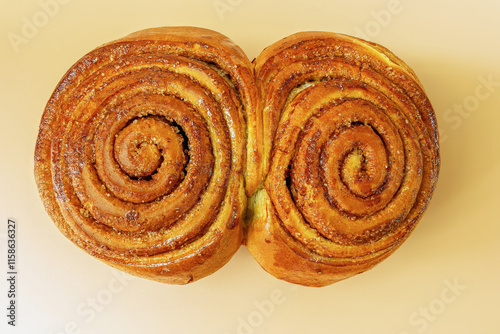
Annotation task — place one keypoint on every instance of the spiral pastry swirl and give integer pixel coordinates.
(350, 156)
(150, 146)
(141, 153)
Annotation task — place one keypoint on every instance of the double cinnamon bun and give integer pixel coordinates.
(162, 152)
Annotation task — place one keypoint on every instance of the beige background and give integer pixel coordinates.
(444, 279)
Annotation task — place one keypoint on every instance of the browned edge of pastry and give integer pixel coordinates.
(195, 85)
(336, 111)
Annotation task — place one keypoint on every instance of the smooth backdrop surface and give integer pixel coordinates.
(444, 279)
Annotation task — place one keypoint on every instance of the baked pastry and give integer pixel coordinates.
(151, 146)
(140, 158)
(350, 156)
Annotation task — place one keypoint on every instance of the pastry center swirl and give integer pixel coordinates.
(147, 145)
(363, 160)
(146, 159)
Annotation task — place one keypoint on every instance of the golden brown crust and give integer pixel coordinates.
(350, 156)
(140, 158)
(151, 144)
